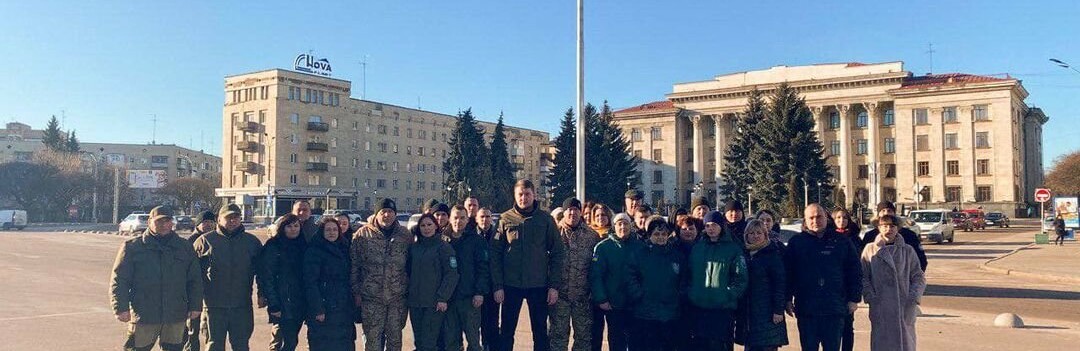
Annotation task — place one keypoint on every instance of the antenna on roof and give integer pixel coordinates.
(931, 52)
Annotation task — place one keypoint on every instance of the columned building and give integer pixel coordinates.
(940, 140)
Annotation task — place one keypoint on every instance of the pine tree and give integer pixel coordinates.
(563, 172)
(611, 166)
(71, 144)
(736, 175)
(53, 138)
(502, 171)
(466, 165)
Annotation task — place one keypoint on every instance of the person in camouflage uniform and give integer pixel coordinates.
(379, 254)
(575, 299)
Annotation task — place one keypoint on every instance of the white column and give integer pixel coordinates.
(937, 156)
(966, 141)
(819, 124)
(872, 150)
(721, 125)
(845, 153)
(699, 154)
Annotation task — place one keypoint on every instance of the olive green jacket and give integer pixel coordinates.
(156, 279)
(527, 251)
(229, 262)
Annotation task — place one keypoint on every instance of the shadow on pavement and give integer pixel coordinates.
(968, 251)
(937, 316)
(932, 255)
(1008, 293)
(1047, 327)
(988, 243)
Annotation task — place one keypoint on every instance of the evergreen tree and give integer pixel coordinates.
(466, 165)
(71, 144)
(502, 171)
(611, 167)
(53, 138)
(563, 174)
(736, 175)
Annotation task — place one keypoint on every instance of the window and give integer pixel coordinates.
(637, 154)
(294, 118)
(920, 116)
(292, 158)
(395, 184)
(382, 147)
(889, 119)
(890, 145)
(657, 155)
(889, 194)
(924, 168)
(313, 180)
(367, 164)
(982, 139)
(355, 162)
(316, 119)
(397, 131)
(982, 167)
(952, 168)
(658, 177)
(890, 170)
(834, 148)
(333, 161)
(381, 165)
(333, 122)
(860, 147)
(408, 150)
(292, 94)
(834, 120)
(292, 179)
(380, 183)
(922, 142)
(952, 194)
(983, 193)
(657, 196)
(355, 182)
(950, 141)
(333, 142)
(333, 180)
(420, 150)
(395, 148)
(861, 120)
(395, 167)
(948, 114)
(980, 113)
(656, 133)
(408, 133)
(367, 146)
(382, 129)
(864, 172)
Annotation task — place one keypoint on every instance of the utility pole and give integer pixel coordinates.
(363, 77)
(805, 191)
(153, 137)
(116, 196)
(580, 135)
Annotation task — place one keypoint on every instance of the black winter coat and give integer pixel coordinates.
(326, 282)
(474, 270)
(765, 296)
(824, 274)
(280, 277)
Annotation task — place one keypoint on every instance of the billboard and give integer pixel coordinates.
(117, 160)
(1067, 208)
(147, 179)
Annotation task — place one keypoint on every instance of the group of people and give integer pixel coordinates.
(701, 280)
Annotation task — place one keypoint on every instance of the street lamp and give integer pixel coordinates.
(1062, 64)
(749, 202)
(819, 192)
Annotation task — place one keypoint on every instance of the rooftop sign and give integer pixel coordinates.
(310, 64)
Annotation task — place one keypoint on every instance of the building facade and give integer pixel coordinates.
(940, 140)
(289, 135)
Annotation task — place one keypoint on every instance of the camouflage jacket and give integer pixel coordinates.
(378, 263)
(580, 242)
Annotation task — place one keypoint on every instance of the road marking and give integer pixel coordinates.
(10, 319)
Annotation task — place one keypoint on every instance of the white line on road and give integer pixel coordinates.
(11, 319)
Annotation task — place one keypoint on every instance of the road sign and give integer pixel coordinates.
(1042, 194)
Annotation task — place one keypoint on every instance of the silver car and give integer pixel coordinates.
(134, 223)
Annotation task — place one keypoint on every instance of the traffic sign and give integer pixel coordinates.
(1042, 194)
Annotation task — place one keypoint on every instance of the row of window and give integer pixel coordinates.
(955, 193)
(314, 96)
(655, 133)
(315, 179)
(862, 119)
(952, 168)
(379, 165)
(249, 94)
(949, 114)
(922, 141)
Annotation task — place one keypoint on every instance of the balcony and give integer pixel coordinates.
(247, 167)
(247, 146)
(317, 146)
(317, 166)
(318, 127)
(250, 127)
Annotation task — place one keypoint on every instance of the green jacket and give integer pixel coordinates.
(156, 279)
(432, 271)
(718, 274)
(229, 261)
(657, 279)
(527, 251)
(610, 273)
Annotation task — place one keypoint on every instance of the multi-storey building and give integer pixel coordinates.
(939, 140)
(289, 135)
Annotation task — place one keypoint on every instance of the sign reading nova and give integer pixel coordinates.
(310, 64)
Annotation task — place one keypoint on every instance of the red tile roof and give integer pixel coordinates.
(936, 80)
(655, 105)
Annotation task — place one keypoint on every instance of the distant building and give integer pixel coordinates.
(289, 135)
(957, 140)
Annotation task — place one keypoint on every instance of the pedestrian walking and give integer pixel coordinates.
(574, 306)
(849, 230)
(657, 278)
(474, 282)
(892, 284)
(609, 276)
(760, 324)
(379, 254)
(489, 313)
(155, 286)
(1060, 230)
(229, 258)
(823, 278)
(886, 208)
(526, 258)
(734, 221)
(326, 282)
(433, 276)
(207, 222)
(281, 283)
(718, 279)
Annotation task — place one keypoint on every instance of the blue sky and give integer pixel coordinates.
(111, 65)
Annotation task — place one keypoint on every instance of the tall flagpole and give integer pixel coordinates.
(580, 139)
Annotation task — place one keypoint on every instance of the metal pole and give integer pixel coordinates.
(580, 164)
(805, 192)
(95, 216)
(116, 196)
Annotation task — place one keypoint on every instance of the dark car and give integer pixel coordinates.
(184, 223)
(997, 219)
(961, 221)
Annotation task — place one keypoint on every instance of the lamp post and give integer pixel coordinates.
(749, 202)
(819, 192)
(328, 190)
(805, 191)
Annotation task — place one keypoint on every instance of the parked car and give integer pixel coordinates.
(997, 219)
(184, 223)
(12, 219)
(910, 224)
(961, 221)
(934, 225)
(1048, 224)
(134, 223)
(978, 218)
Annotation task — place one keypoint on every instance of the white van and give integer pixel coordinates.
(12, 219)
(934, 225)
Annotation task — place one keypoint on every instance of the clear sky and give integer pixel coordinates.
(109, 66)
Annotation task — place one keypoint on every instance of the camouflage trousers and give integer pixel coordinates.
(383, 324)
(562, 315)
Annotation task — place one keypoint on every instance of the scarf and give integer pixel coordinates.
(601, 230)
(755, 247)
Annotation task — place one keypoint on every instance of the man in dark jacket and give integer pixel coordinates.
(699, 206)
(228, 257)
(526, 259)
(308, 227)
(825, 279)
(735, 221)
(489, 313)
(207, 222)
(155, 285)
(474, 276)
(281, 283)
(910, 238)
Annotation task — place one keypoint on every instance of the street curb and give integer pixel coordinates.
(1005, 271)
(93, 232)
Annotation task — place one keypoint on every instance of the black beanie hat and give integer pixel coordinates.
(440, 208)
(571, 202)
(885, 204)
(733, 205)
(385, 203)
(429, 204)
(207, 216)
(699, 201)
